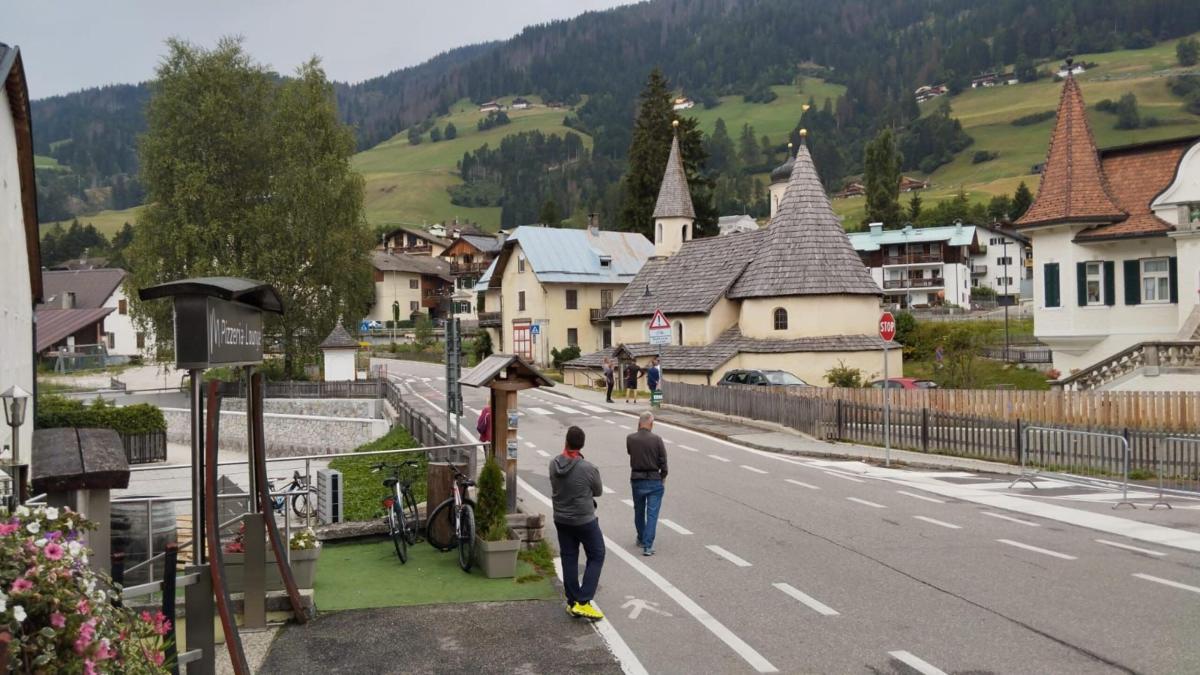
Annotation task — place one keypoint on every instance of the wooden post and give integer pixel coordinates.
(440, 482)
(510, 464)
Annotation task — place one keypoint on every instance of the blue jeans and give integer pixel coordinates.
(570, 538)
(647, 498)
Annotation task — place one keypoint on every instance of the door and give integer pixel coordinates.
(522, 341)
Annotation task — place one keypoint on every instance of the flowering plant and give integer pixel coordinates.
(57, 615)
(303, 540)
(1053, 374)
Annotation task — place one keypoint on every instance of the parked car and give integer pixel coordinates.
(369, 325)
(765, 378)
(905, 383)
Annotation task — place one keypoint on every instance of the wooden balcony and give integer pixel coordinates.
(913, 259)
(489, 319)
(914, 283)
(459, 269)
(597, 315)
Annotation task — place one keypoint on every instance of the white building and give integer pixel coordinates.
(736, 224)
(1116, 254)
(1003, 263)
(683, 103)
(920, 267)
(101, 288)
(20, 258)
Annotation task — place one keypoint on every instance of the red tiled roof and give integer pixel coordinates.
(1073, 189)
(1136, 175)
(56, 324)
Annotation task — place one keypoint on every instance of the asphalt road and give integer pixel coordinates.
(773, 563)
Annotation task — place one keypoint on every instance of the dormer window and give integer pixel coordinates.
(605, 262)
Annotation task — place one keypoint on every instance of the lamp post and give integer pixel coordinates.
(1007, 300)
(16, 401)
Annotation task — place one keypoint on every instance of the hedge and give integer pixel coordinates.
(363, 491)
(131, 420)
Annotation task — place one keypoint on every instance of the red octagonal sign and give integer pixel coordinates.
(887, 326)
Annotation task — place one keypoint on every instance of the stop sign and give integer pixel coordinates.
(887, 326)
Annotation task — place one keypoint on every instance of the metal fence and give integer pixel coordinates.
(372, 388)
(145, 448)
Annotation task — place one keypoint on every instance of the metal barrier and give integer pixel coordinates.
(1070, 453)
(1177, 465)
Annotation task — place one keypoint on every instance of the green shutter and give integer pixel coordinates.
(1173, 266)
(1133, 282)
(1110, 283)
(1081, 283)
(1050, 283)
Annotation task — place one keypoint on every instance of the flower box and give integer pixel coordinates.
(498, 559)
(304, 569)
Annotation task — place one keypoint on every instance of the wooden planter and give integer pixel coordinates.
(304, 569)
(498, 559)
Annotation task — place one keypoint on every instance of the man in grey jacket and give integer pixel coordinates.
(574, 485)
(647, 471)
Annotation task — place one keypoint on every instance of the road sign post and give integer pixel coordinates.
(887, 331)
(660, 329)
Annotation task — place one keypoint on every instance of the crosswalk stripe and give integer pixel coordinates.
(565, 409)
(540, 411)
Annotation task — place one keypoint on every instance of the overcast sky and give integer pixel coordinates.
(72, 44)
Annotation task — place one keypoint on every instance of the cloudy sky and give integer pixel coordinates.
(72, 44)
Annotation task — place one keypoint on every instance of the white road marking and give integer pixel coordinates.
(1010, 519)
(609, 422)
(801, 484)
(684, 447)
(866, 503)
(916, 663)
(1127, 547)
(719, 458)
(543, 453)
(630, 664)
(940, 523)
(529, 445)
(627, 502)
(739, 646)
(595, 409)
(609, 491)
(917, 496)
(637, 605)
(809, 601)
(675, 526)
(667, 441)
(477, 411)
(441, 379)
(751, 468)
(727, 555)
(1167, 582)
(565, 409)
(1035, 549)
(843, 476)
(540, 411)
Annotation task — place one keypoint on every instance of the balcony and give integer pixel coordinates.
(913, 259)
(977, 270)
(913, 283)
(459, 269)
(597, 315)
(416, 249)
(489, 319)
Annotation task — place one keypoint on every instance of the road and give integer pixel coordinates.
(772, 563)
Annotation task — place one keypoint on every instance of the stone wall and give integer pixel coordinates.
(320, 407)
(291, 434)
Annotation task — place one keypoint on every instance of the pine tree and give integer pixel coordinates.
(451, 131)
(722, 159)
(914, 208)
(749, 152)
(1187, 51)
(881, 177)
(549, 214)
(1127, 113)
(1021, 201)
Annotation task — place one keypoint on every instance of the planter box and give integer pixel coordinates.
(497, 558)
(304, 569)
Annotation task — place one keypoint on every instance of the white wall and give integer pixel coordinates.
(339, 365)
(16, 305)
(122, 327)
(991, 258)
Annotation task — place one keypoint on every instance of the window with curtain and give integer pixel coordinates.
(781, 319)
(1156, 280)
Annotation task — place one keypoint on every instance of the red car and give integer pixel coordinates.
(905, 383)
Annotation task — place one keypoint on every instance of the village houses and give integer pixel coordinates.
(469, 257)
(89, 307)
(409, 285)
(793, 296)
(1116, 252)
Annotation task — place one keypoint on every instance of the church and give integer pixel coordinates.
(792, 296)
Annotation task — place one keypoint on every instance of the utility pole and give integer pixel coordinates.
(1007, 298)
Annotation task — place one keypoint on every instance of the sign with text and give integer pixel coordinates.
(660, 329)
(214, 332)
(887, 327)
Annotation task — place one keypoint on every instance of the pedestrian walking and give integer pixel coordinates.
(653, 375)
(574, 486)
(610, 377)
(632, 372)
(484, 424)
(647, 472)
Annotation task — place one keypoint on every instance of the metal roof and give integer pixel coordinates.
(574, 256)
(485, 244)
(92, 288)
(236, 289)
(56, 324)
(953, 235)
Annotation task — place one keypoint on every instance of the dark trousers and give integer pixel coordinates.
(608, 391)
(570, 538)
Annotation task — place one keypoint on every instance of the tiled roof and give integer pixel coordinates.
(953, 235)
(1136, 175)
(416, 264)
(804, 251)
(339, 338)
(561, 255)
(1073, 188)
(92, 288)
(674, 198)
(708, 358)
(56, 324)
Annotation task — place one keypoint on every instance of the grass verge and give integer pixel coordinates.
(364, 490)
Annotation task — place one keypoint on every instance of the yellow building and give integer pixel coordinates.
(793, 296)
(408, 284)
(550, 288)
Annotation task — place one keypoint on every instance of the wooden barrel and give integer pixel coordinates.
(440, 482)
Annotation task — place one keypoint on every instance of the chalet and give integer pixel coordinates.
(1070, 70)
(791, 296)
(919, 267)
(993, 79)
(413, 240)
(929, 92)
(409, 285)
(852, 189)
(469, 256)
(1116, 253)
(92, 289)
(549, 288)
(490, 106)
(683, 103)
(910, 184)
(519, 103)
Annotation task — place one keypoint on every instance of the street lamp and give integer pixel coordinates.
(15, 400)
(1007, 298)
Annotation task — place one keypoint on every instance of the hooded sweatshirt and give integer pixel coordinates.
(574, 485)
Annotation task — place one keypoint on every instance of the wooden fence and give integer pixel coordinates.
(145, 448)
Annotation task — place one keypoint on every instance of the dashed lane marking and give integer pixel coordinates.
(540, 411)
(809, 601)
(1167, 582)
(916, 663)
(567, 410)
(939, 523)
(917, 496)
(719, 458)
(1127, 547)
(864, 502)
(843, 476)
(1010, 519)
(802, 484)
(674, 526)
(751, 468)
(740, 562)
(1035, 549)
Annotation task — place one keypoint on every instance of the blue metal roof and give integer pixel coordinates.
(953, 235)
(574, 256)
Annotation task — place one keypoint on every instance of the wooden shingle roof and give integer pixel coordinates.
(674, 198)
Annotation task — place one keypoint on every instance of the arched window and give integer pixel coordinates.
(658, 234)
(679, 333)
(683, 235)
(780, 318)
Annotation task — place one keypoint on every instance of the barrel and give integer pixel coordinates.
(129, 532)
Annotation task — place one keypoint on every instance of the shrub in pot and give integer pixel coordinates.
(497, 548)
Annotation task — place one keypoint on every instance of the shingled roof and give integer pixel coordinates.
(1073, 189)
(674, 198)
(805, 250)
(339, 338)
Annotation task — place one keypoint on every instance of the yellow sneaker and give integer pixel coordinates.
(587, 611)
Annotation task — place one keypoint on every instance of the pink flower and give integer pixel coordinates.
(8, 528)
(82, 607)
(154, 655)
(54, 551)
(20, 586)
(58, 620)
(104, 651)
(89, 668)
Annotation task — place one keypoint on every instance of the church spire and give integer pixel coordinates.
(674, 197)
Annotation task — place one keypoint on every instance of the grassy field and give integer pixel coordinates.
(775, 119)
(44, 162)
(108, 222)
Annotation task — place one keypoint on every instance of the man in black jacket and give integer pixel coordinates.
(574, 486)
(647, 471)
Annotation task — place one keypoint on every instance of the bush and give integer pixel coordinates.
(423, 330)
(57, 411)
(843, 376)
(982, 156)
(483, 345)
(560, 357)
(491, 503)
(363, 490)
(1037, 117)
(983, 293)
(1106, 105)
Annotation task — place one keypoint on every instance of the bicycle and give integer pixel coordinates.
(301, 505)
(401, 508)
(459, 513)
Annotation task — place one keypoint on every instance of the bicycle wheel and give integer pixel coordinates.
(443, 515)
(396, 529)
(301, 506)
(466, 538)
(411, 519)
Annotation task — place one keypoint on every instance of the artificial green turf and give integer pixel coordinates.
(363, 575)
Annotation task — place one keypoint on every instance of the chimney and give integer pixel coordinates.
(876, 229)
(594, 224)
(958, 224)
(68, 300)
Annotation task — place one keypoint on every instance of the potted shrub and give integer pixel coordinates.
(495, 546)
(305, 552)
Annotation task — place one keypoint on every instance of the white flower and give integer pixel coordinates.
(74, 548)
(70, 524)
(3, 602)
(18, 613)
(34, 527)
(51, 513)
(90, 585)
(22, 511)
(40, 543)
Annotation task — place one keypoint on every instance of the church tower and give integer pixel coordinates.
(674, 216)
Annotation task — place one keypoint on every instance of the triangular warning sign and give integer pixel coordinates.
(659, 322)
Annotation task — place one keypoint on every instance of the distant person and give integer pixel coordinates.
(484, 424)
(653, 375)
(574, 486)
(647, 471)
(610, 377)
(632, 373)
